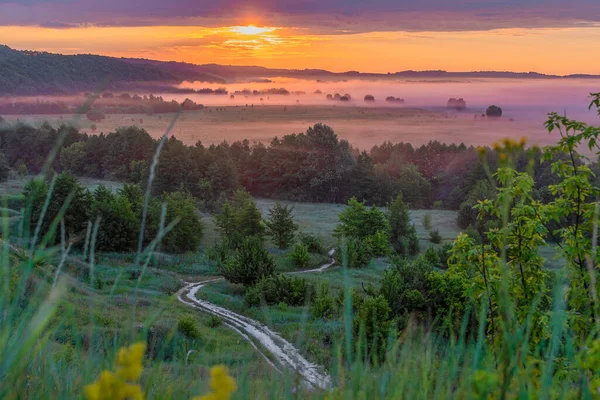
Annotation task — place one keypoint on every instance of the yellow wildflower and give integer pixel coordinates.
(129, 361)
(221, 384)
(120, 385)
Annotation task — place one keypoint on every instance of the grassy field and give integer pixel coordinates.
(363, 126)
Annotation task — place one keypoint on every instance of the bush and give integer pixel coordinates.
(313, 243)
(187, 326)
(427, 221)
(432, 257)
(435, 237)
(95, 115)
(493, 111)
(249, 264)
(373, 326)
(300, 257)
(187, 232)
(214, 321)
(4, 168)
(357, 253)
(378, 244)
(323, 305)
(275, 289)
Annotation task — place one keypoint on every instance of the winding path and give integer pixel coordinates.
(284, 356)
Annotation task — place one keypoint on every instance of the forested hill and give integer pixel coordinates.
(38, 73)
(35, 73)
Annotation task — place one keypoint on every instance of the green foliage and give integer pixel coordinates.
(119, 223)
(281, 226)
(358, 221)
(275, 289)
(214, 322)
(493, 111)
(187, 326)
(68, 201)
(427, 221)
(187, 232)
(373, 327)
(323, 305)
(403, 235)
(239, 218)
(4, 168)
(312, 243)
(249, 264)
(378, 244)
(435, 237)
(300, 256)
(356, 253)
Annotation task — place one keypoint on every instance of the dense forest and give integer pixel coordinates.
(314, 166)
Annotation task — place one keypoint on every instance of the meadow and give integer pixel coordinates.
(362, 126)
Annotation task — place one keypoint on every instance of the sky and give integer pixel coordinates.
(548, 36)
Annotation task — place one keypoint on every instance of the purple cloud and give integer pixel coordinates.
(331, 16)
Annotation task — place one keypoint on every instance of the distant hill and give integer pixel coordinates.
(35, 73)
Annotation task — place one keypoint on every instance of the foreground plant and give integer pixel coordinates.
(122, 383)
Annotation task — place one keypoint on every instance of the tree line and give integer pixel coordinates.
(313, 166)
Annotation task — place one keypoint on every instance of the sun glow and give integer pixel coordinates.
(252, 30)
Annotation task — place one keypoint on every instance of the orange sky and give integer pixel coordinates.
(547, 50)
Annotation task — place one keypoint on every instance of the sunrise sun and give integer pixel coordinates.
(252, 30)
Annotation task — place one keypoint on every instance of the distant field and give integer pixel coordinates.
(362, 126)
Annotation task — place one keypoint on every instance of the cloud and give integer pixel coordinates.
(318, 16)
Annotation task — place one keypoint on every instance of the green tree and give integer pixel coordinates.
(67, 196)
(4, 168)
(250, 263)
(281, 226)
(186, 235)
(427, 221)
(403, 235)
(299, 256)
(119, 224)
(373, 326)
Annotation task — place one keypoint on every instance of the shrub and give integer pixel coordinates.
(187, 326)
(4, 168)
(432, 257)
(427, 221)
(249, 264)
(214, 321)
(313, 243)
(300, 257)
(187, 232)
(95, 115)
(378, 244)
(435, 237)
(323, 305)
(373, 326)
(293, 291)
(493, 111)
(357, 253)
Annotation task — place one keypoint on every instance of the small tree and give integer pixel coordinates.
(250, 263)
(95, 115)
(493, 111)
(300, 256)
(357, 253)
(435, 237)
(4, 168)
(427, 221)
(281, 226)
